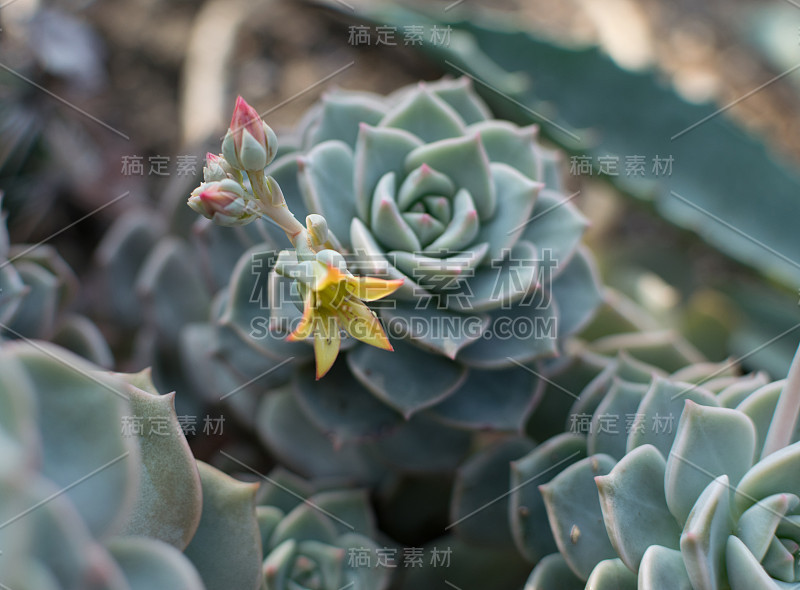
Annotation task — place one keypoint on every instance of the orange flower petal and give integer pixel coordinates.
(326, 342)
(361, 323)
(372, 288)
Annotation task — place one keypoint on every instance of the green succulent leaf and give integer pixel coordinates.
(226, 549)
(705, 535)
(744, 571)
(169, 501)
(553, 572)
(757, 525)
(36, 314)
(709, 442)
(475, 405)
(663, 568)
(407, 379)
(576, 519)
(635, 508)
(480, 506)
(306, 522)
(609, 426)
(425, 115)
(775, 474)
(340, 116)
(612, 574)
(148, 564)
(528, 516)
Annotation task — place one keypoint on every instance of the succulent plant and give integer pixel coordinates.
(686, 480)
(37, 289)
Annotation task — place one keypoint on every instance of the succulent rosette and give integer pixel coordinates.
(687, 481)
(426, 187)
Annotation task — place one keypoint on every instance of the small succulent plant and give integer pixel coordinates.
(683, 481)
(37, 287)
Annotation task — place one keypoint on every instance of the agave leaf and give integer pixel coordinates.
(704, 536)
(576, 519)
(528, 515)
(709, 442)
(425, 115)
(553, 572)
(226, 549)
(325, 176)
(148, 563)
(611, 574)
(479, 510)
(408, 379)
(475, 406)
(635, 508)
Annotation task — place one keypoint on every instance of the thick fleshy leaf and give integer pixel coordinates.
(612, 574)
(778, 473)
(341, 407)
(341, 114)
(407, 379)
(283, 490)
(12, 290)
(663, 568)
(634, 507)
(464, 160)
(756, 527)
(325, 176)
(87, 409)
(525, 332)
(148, 564)
(249, 306)
(298, 444)
(734, 394)
(379, 150)
(36, 314)
(512, 145)
(408, 449)
(173, 291)
(477, 405)
(480, 502)
(656, 420)
(705, 534)
(552, 573)
(372, 260)
(80, 335)
(460, 95)
(351, 509)
(422, 182)
(611, 420)
(760, 408)
(362, 578)
(306, 522)
(169, 500)
(529, 525)
(502, 283)
(555, 226)
(386, 222)
(744, 571)
(440, 274)
(226, 549)
(425, 115)
(709, 442)
(573, 509)
(516, 197)
(438, 330)
(462, 228)
(577, 291)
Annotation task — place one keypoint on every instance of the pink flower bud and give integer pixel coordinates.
(250, 144)
(222, 202)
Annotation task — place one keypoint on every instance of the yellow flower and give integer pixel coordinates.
(333, 299)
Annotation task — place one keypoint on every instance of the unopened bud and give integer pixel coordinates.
(317, 228)
(250, 144)
(217, 168)
(222, 202)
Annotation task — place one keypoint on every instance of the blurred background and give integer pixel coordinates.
(108, 107)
